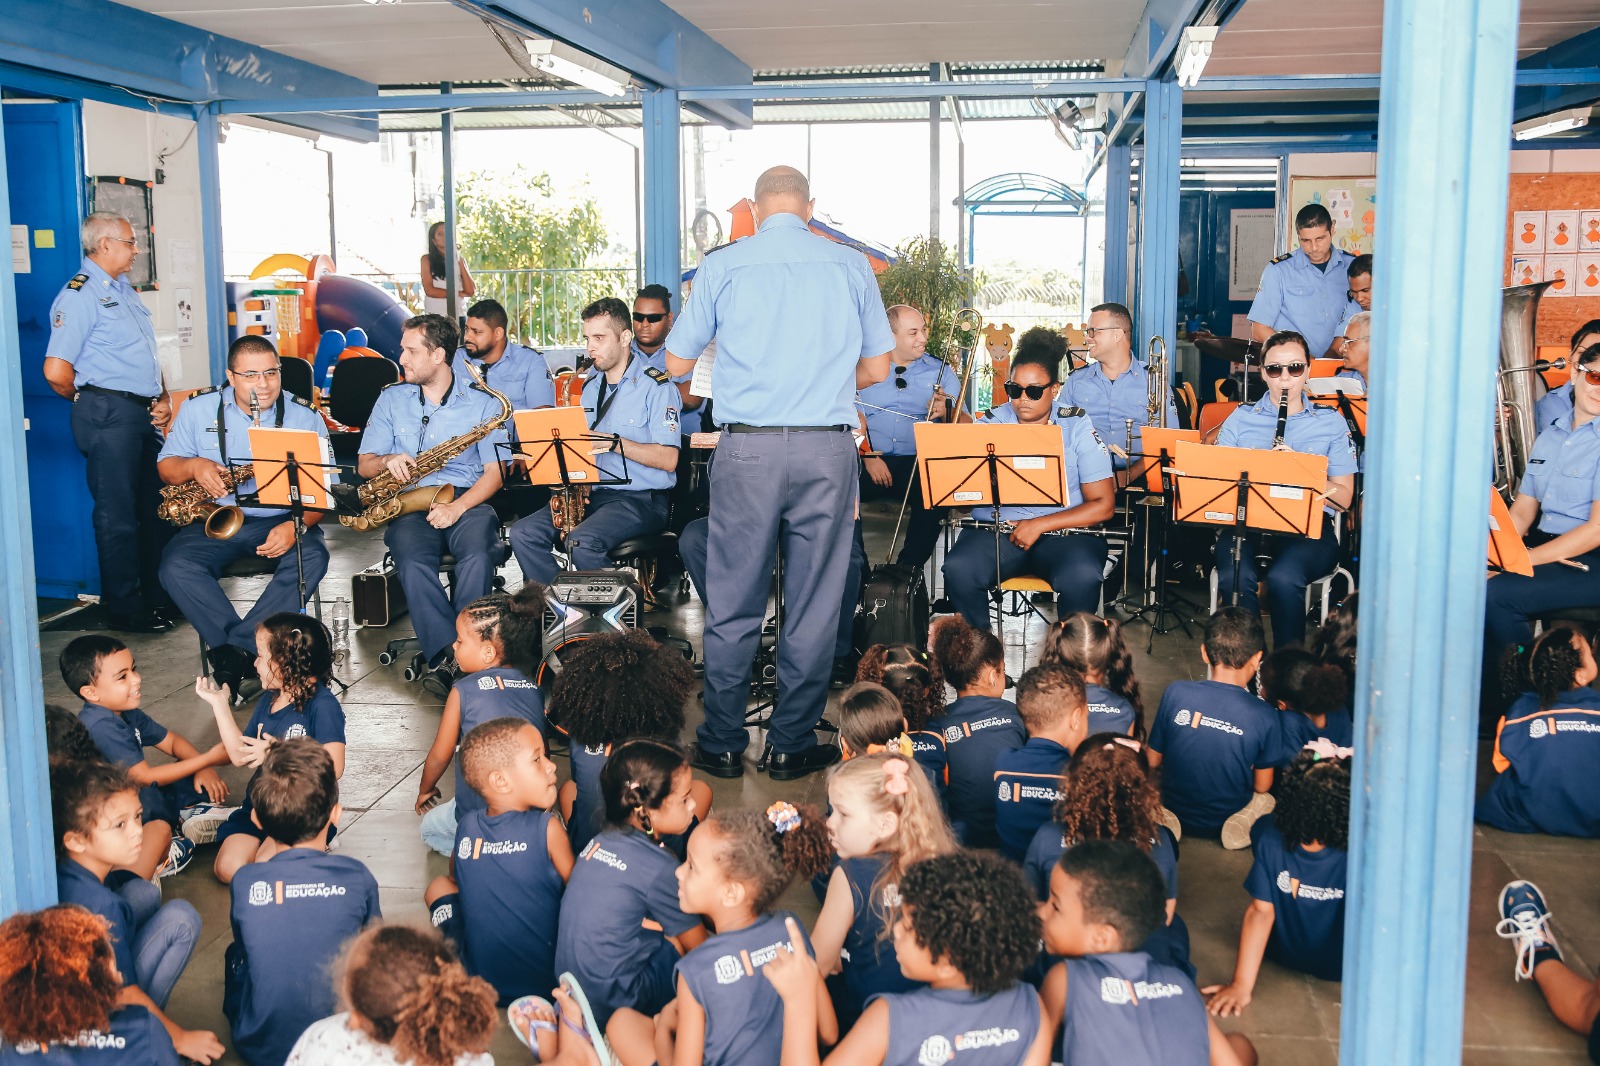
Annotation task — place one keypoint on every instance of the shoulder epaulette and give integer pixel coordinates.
(77, 282)
(396, 384)
(1285, 255)
(658, 376)
(205, 391)
(302, 401)
(1070, 412)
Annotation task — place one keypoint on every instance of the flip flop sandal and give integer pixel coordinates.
(591, 1029)
(525, 1025)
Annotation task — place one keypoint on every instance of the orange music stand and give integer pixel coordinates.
(273, 450)
(1507, 553)
(556, 444)
(1326, 368)
(1157, 448)
(969, 464)
(1352, 405)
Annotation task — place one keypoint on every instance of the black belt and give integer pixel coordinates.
(142, 401)
(739, 427)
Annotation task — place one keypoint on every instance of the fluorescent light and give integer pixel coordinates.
(1194, 48)
(383, 1)
(1555, 122)
(580, 68)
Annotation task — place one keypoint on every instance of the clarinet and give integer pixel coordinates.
(1283, 419)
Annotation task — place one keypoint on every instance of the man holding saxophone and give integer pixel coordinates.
(211, 433)
(429, 408)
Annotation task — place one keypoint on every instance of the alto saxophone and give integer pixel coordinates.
(387, 497)
(187, 502)
(567, 505)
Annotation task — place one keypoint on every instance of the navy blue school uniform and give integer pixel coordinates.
(498, 692)
(932, 754)
(868, 964)
(942, 1024)
(589, 806)
(620, 879)
(1297, 730)
(290, 916)
(744, 1016)
(1128, 1009)
(976, 729)
(121, 737)
(322, 720)
(510, 900)
(76, 884)
(1306, 890)
(1026, 789)
(1109, 712)
(134, 1036)
(1549, 763)
(1212, 737)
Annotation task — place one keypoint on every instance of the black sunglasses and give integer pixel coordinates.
(640, 316)
(1294, 370)
(1034, 392)
(900, 378)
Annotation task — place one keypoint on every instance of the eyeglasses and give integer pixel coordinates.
(1356, 340)
(1034, 392)
(640, 316)
(124, 240)
(900, 378)
(257, 375)
(1294, 370)
(1094, 330)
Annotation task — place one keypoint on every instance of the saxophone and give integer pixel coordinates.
(386, 497)
(187, 502)
(567, 505)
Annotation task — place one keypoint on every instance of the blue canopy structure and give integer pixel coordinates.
(1018, 194)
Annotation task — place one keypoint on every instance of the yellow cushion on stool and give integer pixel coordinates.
(1025, 583)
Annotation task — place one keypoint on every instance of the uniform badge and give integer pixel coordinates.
(59, 319)
(77, 282)
(1095, 433)
(670, 420)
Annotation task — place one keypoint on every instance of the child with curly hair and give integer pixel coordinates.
(294, 658)
(66, 739)
(976, 727)
(1297, 881)
(407, 1001)
(492, 633)
(884, 818)
(1051, 700)
(1546, 786)
(1312, 698)
(1334, 642)
(1094, 647)
(60, 993)
(614, 688)
(966, 930)
(913, 677)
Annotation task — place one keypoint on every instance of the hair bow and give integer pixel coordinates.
(894, 777)
(900, 745)
(1126, 742)
(784, 816)
(1323, 748)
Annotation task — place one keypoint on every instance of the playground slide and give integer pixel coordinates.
(345, 303)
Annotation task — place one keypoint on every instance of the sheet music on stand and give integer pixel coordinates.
(700, 384)
(558, 449)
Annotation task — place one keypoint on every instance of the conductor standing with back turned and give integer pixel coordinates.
(800, 326)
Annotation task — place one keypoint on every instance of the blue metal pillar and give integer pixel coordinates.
(452, 258)
(1442, 169)
(1158, 215)
(205, 118)
(1118, 181)
(28, 874)
(663, 213)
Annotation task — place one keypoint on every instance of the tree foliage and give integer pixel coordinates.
(928, 276)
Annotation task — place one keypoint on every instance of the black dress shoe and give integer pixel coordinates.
(718, 763)
(788, 765)
(145, 622)
(844, 673)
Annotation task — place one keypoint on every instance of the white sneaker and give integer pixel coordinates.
(1170, 820)
(202, 821)
(1525, 920)
(1236, 830)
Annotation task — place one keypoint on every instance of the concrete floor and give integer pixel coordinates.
(1293, 1019)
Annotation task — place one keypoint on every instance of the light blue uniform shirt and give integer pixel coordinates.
(645, 410)
(1348, 372)
(1110, 404)
(1564, 474)
(1087, 460)
(1552, 407)
(1297, 295)
(891, 430)
(194, 436)
(104, 330)
(520, 373)
(1314, 431)
(792, 313)
(405, 421)
(689, 422)
(1351, 310)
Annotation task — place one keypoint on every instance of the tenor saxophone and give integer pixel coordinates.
(187, 502)
(386, 497)
(567, 505)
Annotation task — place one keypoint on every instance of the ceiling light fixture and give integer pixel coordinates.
(1194, 48)
(1555, 122)
(580, 68)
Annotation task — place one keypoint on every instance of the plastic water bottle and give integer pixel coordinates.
(341, 631)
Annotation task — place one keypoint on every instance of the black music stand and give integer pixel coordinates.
(560, 457)
(1152, 606)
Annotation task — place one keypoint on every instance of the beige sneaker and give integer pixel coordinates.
(1236, 830)
(1170, 820)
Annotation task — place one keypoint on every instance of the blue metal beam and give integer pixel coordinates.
(452, 264)
(1158, 215)
(1442, 169)
(28, 874)
(29, 81)
(457, 101)
(1538, 100)
(663, 218)
(207, 141)
(1119, 158)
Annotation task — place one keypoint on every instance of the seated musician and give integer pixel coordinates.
(1312, 430)
(637, 405)
(1558, 401)
(1561, 488)
(506, 366)
(1115, 388)
(211, 431)
(1074, 565)
(1357, 348)
(432, 405)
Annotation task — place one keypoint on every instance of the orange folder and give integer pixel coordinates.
(1284, 495)
(1030, 464)
(1507, 552)
(1152, 442)
(270, 449)
(537, 432)
(1358, 407)
(1326, 368)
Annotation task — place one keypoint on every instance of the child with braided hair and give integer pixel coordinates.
(1093, 646)
(914, 678)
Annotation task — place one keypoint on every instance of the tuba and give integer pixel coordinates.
(1514, 385)
(385, 497)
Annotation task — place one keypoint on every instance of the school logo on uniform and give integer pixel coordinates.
(935, 1051)
(138, 736)
(464, 849)
(1005, 792)
(1298, 889)
(442, 913)
(487, 683)
(1181, 718)
(260, 894)
(891, 895)
(727, 970)
(296, 730)
(1115, 991)
(952, 733)
(1538, 728)
(594, 851)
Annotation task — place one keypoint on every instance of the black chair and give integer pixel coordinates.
(352, 394)
(296, 378)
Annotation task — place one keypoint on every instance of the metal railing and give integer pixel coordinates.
(542, 305)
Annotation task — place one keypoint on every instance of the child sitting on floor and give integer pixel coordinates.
(976, 727)
(1051, 701)
(1312, 699)
(1094, 647)
(913, 677)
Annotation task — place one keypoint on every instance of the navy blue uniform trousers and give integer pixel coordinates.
(1296, 563)
(1514, 601)
(193, 563)
(1073, 564)
(611, 517)
(418, 550)
(120, 447)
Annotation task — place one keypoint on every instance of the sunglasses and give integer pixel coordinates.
(900, 378)
(1591, 376)
(1294, 370)
(1033, 392)
(640, 316)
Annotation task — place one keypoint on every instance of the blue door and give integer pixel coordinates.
(44, 168)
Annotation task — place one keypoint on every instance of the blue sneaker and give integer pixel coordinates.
(1525, 920)
(179, 852)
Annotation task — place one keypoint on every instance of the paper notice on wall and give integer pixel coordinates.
(1588, 283)
(21, 256)
(1341, 205)
(1589, 230)
(1527, 269)
(700, 384)
(1560, 271)
(185, 316)
(1527, 232)
(180, 264)
(1253, 236)
(1561, 231)
(1240, 328)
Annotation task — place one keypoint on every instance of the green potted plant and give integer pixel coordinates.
(927, 275)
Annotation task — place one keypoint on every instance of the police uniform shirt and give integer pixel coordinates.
(497, 692)
(206, 417)
(1087, 460)
(1549, 768)
(792, 314)
(100, 326)
(1296, 294)
(134, 1036)
(322, 720)
(1109, 403)
(1351, 373)
(405, 421)
(290, 916)
(1306, 890)
(1212, 736)
(1026, 784)
(690, 421)
(1126, 1008)
(641, 407)
(510, 899)
(890, 430)
(1298, 730)
(868, 965)
(1313, 431)
(1050, 842)
(1551, 407)
(520, 372)
(121, 737)
(944, 1024)
(1564, 474)
(76, 884)
(1109, 712)
(743, 1014)
(976, 729)
(620, 879)
(1351, 310)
